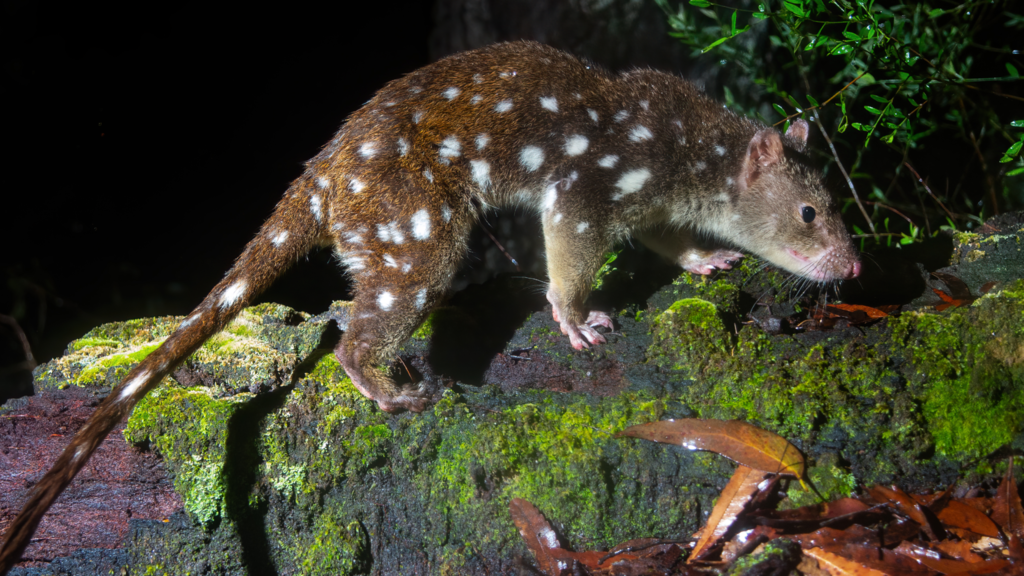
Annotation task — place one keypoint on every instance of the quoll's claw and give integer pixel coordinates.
(600, 319)
(412, 399)
(584, 335)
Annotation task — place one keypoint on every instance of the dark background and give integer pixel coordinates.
(145, 147)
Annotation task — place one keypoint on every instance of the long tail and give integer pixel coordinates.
(298, 224)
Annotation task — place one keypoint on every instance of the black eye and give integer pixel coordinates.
(808, 214)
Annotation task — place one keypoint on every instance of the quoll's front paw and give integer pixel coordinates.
(700, 262)
(583, 335)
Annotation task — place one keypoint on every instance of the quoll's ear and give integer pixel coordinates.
(764, 151)
(798, 132)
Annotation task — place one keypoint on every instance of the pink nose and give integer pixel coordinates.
(854, 270)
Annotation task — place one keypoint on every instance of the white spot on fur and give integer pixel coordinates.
(322, 182)
(476, 99)
(621, 115)
(699, 165)
(557, 218)
(608, 161)
(720, 150)
(592, 114)
(133, 385)
(421, 299)
(639, 133)
(406, 267)
(279, 238)
(354, 262)
(356, 185)
(581, 227)
(421, 224)
(315, 206)
(450, 148)
(481, 141)
(389, 261)
(549, 103)
(367, 150)
(631, 182)
(729, 181)
(385, 300)
(428, 175)
(550, 196)
(503, 106)
(452, 92)
(531, 157)
(417, 116)
(353, 238)
(481, 173)
(721, 197)
(232, 293)
(576, 145)
(446, 212)
(390, 233)
(477, 78)
(645, 104)
(415, 89)
(403, 146)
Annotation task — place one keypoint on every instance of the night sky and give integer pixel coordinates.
(147, 146)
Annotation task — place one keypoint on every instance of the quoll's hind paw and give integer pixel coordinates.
(583, 335)
(706, 263)
(411, 399)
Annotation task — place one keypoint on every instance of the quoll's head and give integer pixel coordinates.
(787, 214)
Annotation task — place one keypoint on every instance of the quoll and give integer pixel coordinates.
(601, 157)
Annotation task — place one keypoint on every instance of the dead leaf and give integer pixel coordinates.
(935, 561)
(734, 439)
(956, 514)
(538, 534)
(907, 506)
(731, 502)
(958, 549)
(872, 313)
(884, 560)
(957, 288)
(1006, 509)
(837, 565)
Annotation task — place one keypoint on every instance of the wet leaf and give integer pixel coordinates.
(1006, 509)
(907, 506)
(731, 502)
(957, 288)
(935, 561)
(538, 534)
(837, 565)
(734, 439)
(959, 515)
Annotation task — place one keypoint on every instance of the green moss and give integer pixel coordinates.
(336, 547)
(195, 450)
(81, 343)
(968, 364)
(830, 481)
(426, 329)
(549, 453)
(114, 367)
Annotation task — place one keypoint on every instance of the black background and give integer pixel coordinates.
(144, 146)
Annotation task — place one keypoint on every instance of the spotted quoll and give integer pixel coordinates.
(601, 157)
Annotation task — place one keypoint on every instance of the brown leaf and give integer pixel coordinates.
(833, 540)
(872, 313)
(934, 560)
(540, 538)
(957, 288)
(746, 444)
(956, 514)
(885, 560)
(731, 502)
(904, 504)
(958, 549)
(1006, 510)
(837, 565)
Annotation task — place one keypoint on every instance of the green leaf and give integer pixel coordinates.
(906, 240)
(795, 7)
(1016, 171)
(851, 36)
(700, 3)
(842, 49)
(878, 98)
(812, 100)
(715, 43)
(733, 22)
(759, 16)
(780, 110)
(866, 80)
(1017, 123)
(873, 110)
(1012, 70)
(861, 127)
(936, 12)
(1013, 150)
